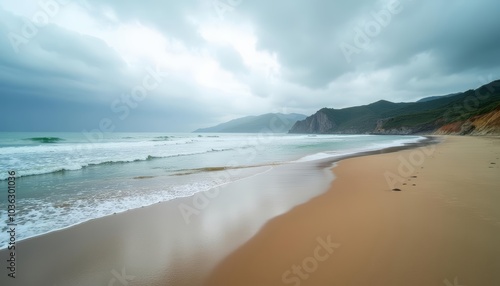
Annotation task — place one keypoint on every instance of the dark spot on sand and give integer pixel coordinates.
(413, 176)
(404, 184)
(414, 185)
(396, 190)
(493, 163)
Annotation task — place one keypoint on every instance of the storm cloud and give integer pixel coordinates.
(181, 65)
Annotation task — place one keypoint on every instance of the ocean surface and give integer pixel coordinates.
(67, 178)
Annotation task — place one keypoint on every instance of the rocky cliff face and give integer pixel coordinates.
(403, 130)
(318, 123)
(485, 124)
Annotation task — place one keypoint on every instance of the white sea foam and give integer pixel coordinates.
(42, 216)
(351, 151)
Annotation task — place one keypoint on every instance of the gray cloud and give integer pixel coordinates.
(229, 59)
(57, 63)
(67, 77)
(170, 17)
(307, 35)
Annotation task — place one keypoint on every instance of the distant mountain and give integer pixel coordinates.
(472, 112)
(270, 122)
(436, 97)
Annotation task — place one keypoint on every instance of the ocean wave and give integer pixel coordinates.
(63, 169)
(43, 216)
(45, 140)
(162, 138)
(208, 136)
(76, 167)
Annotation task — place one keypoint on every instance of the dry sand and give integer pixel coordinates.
(442, 228)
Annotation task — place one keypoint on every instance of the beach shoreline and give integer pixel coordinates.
(152, 168)
(325, 163)
(423, 216)
(107, 242)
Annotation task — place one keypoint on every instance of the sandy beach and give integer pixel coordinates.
(440, 227)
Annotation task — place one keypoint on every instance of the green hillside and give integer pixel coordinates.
(403, 118)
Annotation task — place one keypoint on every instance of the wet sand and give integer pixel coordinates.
(177, 242)
(442, 226)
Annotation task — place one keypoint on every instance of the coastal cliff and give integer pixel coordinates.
(318, 123)
(486, 124)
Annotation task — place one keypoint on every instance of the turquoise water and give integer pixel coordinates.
(67, 178)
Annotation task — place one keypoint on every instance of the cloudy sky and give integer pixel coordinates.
(164, 65)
